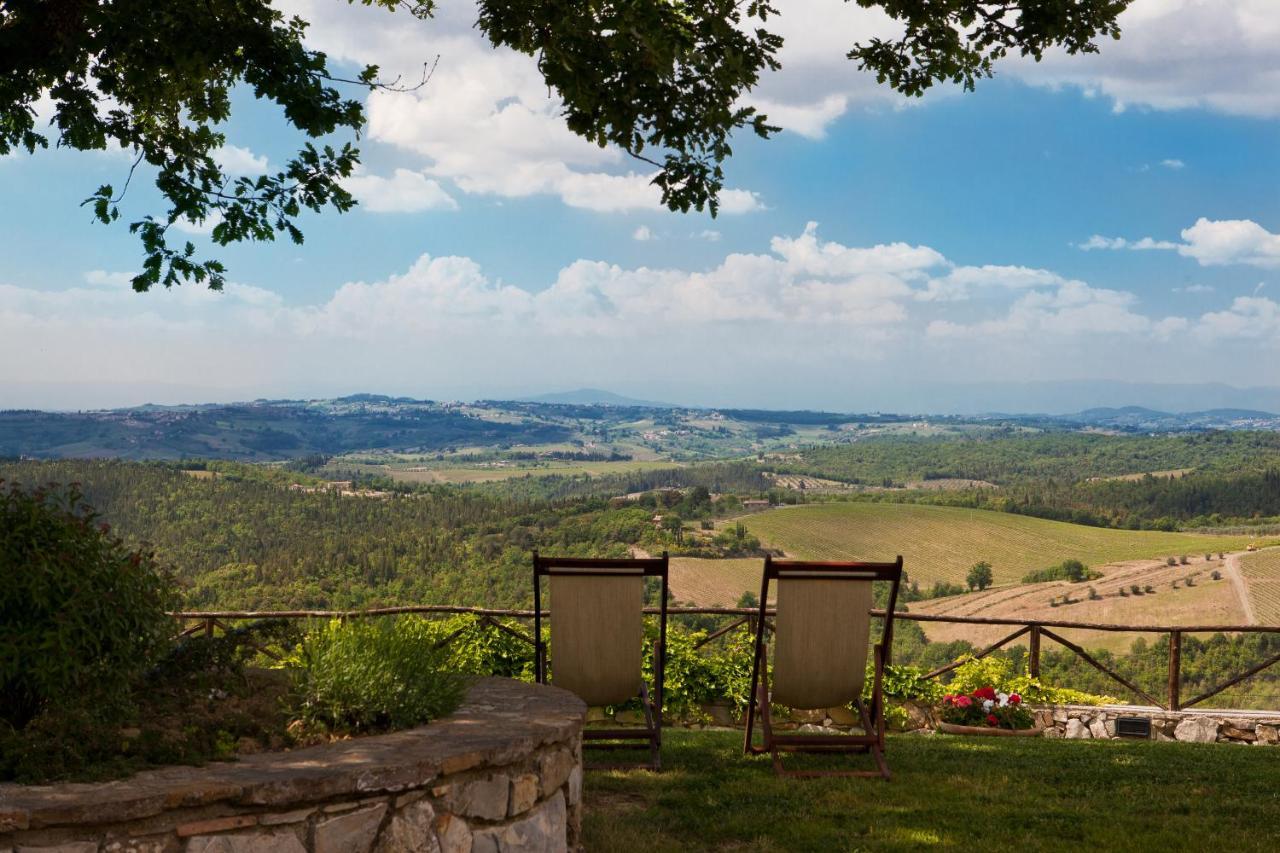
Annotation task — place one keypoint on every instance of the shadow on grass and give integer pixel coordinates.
(948, 792)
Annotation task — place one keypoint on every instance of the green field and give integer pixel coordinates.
(941, 543)
(948, 792)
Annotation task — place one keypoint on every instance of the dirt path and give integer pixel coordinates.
(1231, 565)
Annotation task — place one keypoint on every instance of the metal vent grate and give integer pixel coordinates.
(1133, 727)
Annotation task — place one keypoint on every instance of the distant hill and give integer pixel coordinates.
(595, 397)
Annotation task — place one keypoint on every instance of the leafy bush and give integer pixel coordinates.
(905, 682)
(373, 674)
(997, 672)
(1068, 570)
(81, 615)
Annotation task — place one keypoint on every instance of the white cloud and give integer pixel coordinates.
(406, 191)
(238, 161)
(1097, 241)
(485, 120)
(1210, 242)
(710, 235)
(642, 234)
(1249, 317)
(1173, 164)
(1222, 55)
(1195, 288)
(809, 311)
(1231, 241)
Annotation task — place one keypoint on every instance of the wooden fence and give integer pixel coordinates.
(212, 620)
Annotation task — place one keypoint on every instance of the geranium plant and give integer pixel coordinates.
(985, 707)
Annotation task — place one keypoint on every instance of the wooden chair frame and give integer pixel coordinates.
(873, 721)
(651, 703)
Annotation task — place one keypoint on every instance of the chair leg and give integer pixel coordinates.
(876, 749)
(654, 724)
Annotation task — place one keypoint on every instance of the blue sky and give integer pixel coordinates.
(1112, 218)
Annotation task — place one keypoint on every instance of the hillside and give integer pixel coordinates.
(941, 543)
(1261, 572)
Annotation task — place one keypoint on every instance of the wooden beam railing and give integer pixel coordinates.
(207, 621)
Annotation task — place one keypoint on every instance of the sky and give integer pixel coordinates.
(1112, 217)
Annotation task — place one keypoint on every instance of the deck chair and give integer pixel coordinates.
(597, 640)
(820, 657)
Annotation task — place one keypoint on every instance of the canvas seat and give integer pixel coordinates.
(822, 629)
(597, 640)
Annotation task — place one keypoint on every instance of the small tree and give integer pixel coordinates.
(980, 576)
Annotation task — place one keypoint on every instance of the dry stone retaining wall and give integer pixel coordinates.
(1259, 728)
(503, 774)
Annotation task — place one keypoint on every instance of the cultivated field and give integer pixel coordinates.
(714, 583)
(1261, 572)
(942, 543)
(1171, 601)
(489, 472)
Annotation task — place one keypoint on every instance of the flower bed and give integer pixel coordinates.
(985, 709)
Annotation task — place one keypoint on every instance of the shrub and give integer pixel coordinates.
(373, 674)
(81, 615)
(1068, 570)
(1172, 561)
(997, 672)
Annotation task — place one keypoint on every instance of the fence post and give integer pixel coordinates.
(1033, 653)
(1175, 669)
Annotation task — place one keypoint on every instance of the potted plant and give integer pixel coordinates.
(986, 712)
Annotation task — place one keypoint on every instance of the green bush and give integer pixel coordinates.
(81, 615)
(375, 674)
(1068, 570)
(997, 672)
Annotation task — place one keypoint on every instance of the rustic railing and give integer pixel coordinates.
(208, 621)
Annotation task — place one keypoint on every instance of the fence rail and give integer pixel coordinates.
(207, 621)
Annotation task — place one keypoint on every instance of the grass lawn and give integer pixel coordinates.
(947, 792)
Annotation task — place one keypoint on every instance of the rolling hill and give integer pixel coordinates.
(941, 543)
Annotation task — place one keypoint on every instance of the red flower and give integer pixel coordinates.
(963, 701)
(1014, 699)
(992, 721)
(985, 693)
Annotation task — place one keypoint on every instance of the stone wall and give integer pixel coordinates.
(503, 774)
(1259, 728)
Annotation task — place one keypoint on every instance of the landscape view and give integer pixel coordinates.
(328, 330)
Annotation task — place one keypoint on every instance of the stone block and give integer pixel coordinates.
(482, 798)
(1267, 734)
(575, 786)
(524, 793)
(1060, 715)
(353, 832)
(459, 763)
(542, 830)
(12, 819)
(554, 767)
(295, 816)
(217, 824)
(1098, 728)
(596, 715)
(276, 841)
(629, 718)
(808, 716)
(453, 834)
(152, 844)
(1053, 732)
(1077, 730)
(1231, 732)
(69, 847)
(411, 830)
(1197, 730)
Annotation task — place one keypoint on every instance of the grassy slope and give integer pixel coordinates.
(941, 543)
(951, 792)
(1262, 573)
(1207, 601)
